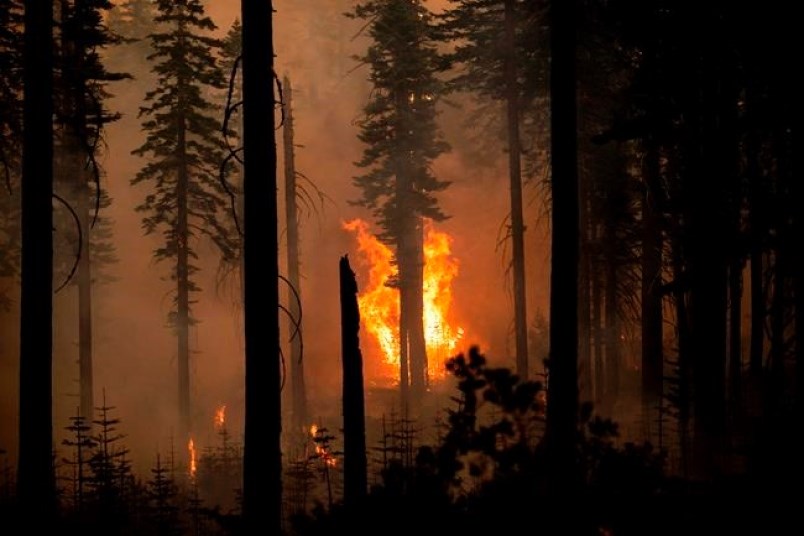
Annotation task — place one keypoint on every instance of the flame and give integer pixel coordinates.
(321, 451)
(379, 302)
(220, 417)
(193, 466)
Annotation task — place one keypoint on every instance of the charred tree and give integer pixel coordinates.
(562, 411)
(262, 454)
(355, 479)
(35, 477)
(299, 393)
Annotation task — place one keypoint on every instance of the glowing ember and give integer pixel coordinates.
(220, 417)
(320, 448)
(379, 302)
(193, 466)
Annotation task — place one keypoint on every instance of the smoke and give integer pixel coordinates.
(135, 354)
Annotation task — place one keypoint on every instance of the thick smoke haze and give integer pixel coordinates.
(135, 352)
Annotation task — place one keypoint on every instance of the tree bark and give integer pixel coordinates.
(652, 351)
(299, 393)
(562, 410)
(355, 477)
(183, 284)
(613, 354)
(35, 477)
(735, 329)
(515, 176)
(262, 454)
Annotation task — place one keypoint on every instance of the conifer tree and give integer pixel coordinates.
(82, 88)
(185, 200)
(402, 140)
(491, 57)
(162, 495)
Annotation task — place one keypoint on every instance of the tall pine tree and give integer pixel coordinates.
(490, 54)
(82, 91)
(185, 200)
(402, 140)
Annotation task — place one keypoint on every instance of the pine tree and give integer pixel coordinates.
(402, 140)
(82, 89)
(162, 495)
(82, 444)
(491, 56)
(110, 478)
(186, 201)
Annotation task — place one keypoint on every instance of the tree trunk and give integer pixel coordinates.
(85, 303)
(35, 477)
(757, 224)
(735, 330)
(515, 175)
(409, 257)
(613, 354)
(355, 478)
(262, 454)
(183, 284)
(299, 393)
(416, 340)
(586, 367)
(562, 410)
(652, 351)
(684, 356)
(597, 334)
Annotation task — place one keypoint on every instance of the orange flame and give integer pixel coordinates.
(220, 417)
(193, 466)
(321, 451)
(379, 302)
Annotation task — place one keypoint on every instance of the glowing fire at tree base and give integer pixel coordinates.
(379, 301)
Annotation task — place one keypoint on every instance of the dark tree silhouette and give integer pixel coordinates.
(35, 477)
(185, 150)
(297, 384)
(82, 88)
(402, 139)
(491, 55)
(262, 453)
(562, 394)
(355, 477)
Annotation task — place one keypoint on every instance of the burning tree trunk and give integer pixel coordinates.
(262, 455)
(299, 394)
(36, 481)
(354, 422)
(515, 175)
(562, 409)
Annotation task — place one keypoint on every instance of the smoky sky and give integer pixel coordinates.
(135, 354)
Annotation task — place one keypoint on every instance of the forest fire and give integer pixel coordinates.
(193, 459)
(379, 301)
(220, 417)
(321, 449)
